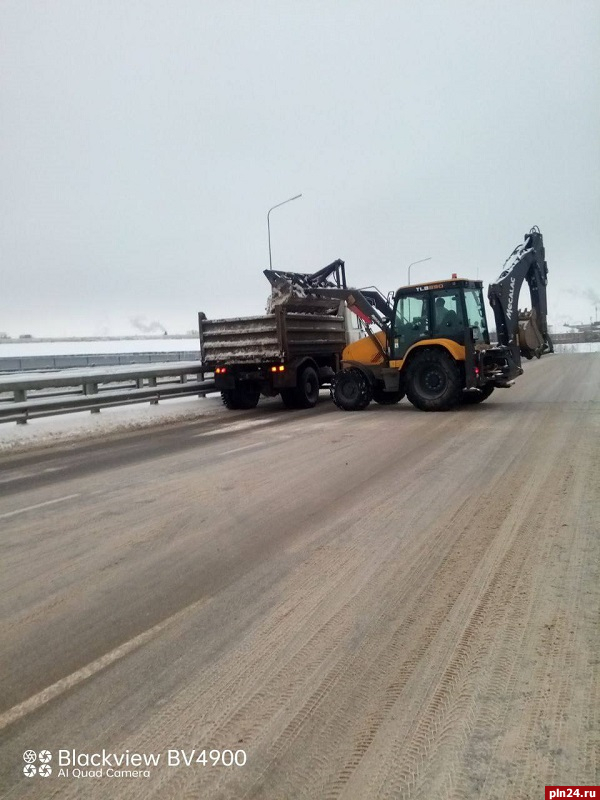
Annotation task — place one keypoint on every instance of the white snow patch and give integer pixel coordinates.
(238, 426)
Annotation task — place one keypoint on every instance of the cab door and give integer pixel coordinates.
(411, 322)
(448, 314)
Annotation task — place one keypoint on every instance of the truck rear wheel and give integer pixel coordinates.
(306, 392)
(433, 381)
(351, 390)
(472, 398)
(244, 396)
(288, 397)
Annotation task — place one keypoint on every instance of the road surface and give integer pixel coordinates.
(386, 604)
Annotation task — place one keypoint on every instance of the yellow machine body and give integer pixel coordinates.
(365, 351)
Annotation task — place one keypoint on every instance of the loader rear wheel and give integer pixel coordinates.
(386, 398)
(472, 398)
(351, 390)
(433, 381)
(244, 396)
(306, 392)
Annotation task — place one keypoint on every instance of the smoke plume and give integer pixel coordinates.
(587, 294)
(592, 296)
(143, 326)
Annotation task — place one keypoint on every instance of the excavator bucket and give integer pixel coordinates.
(532, 341)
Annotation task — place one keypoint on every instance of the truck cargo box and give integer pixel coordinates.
(280, 336)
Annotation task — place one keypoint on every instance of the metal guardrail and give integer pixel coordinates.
(575, 338)
(25, 363)
(98, 388)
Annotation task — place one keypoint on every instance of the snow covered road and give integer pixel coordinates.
(382, 604)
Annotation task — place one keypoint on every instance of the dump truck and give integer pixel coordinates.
(292, 350)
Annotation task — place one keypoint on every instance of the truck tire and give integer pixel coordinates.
(288, 397)
(434, 381)
(244, 396)
(306, 391)
(472, 398)
(386, 398)
(351, 390)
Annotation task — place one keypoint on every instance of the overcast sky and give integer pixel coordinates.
(143, 142)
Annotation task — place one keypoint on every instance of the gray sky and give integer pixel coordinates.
(143, 142)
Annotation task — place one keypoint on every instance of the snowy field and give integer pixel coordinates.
(581, 347)
(99, 346)
(160, 345)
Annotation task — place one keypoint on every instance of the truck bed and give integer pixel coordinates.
(281, 336)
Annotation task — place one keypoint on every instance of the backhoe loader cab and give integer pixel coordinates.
(447, 310)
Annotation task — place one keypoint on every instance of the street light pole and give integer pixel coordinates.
(289, 200)
(420, 261)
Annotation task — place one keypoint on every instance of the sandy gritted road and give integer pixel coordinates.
(387, 604)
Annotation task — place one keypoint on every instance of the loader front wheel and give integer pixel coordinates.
(433, 381)
(244, 396)
(351, 390)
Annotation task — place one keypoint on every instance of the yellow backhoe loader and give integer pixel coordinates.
(433, 342)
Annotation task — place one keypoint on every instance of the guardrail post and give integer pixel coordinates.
(20, 396)
(91, 388)
(200, 377)
(152, 382)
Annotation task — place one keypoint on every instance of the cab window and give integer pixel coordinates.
(476, 314)
(410, 323)
(447, 313)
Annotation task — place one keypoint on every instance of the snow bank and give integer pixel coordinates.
(85, 425)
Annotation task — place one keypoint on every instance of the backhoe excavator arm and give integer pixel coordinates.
(526, 333)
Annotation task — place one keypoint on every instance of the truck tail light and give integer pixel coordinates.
(280, 368)
(220, 370)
